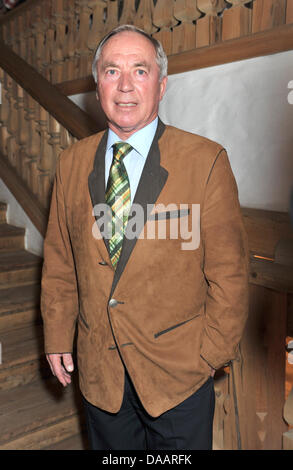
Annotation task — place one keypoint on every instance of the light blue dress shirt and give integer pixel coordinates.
(134, 162)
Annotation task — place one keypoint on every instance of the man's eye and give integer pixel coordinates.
(141, 72)
(111, 72)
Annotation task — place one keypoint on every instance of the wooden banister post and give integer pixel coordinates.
(184, 35)
(144, 16)
(59, 106)
(208, 28)
(236, 20)
(164, 20)
(268, 14)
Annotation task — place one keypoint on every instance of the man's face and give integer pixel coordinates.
(128, 83)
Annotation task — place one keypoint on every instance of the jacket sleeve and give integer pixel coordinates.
(59, 295)
(226, 263)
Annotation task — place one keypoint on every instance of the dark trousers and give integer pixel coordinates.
(188, 426)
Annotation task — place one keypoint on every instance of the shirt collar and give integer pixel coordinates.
(140, 140)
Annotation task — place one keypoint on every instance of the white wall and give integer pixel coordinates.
(246, 107)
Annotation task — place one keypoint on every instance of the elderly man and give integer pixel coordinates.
(156, 313)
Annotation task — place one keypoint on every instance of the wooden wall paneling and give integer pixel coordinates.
(112, 15)
(290, 317)
(7, 33)
(15, 44)
(265, 229)
(22, 131)
(236, 21)
(21, 25)
(50, 42)
(25, 170)
(30, 38)
(42, 39)
(164, 20)
(28, 5)
(18, 35)
(39, 39)
(70, 60)
(45, 159)
(4, 110)
(208, 27)
(224, 428)
(34, 146)
(82, 51)
(221, 391)
(96, 33)
(272, 275)
(144, 16)
(289, 12)
(55, 143)
(59, 41)
(260, 374)
(184, 34)
(128, 12)
(10, 125)
(267, 14)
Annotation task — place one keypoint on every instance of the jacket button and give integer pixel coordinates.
(103, 263)
(113, 303)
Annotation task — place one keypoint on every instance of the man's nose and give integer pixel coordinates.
(125, 83)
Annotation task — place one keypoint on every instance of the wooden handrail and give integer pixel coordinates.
(30, 204)
(69, 115)
(275, 40)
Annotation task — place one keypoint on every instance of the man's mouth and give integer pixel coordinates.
(126, 105)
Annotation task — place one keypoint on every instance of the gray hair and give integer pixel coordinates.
(161, 57)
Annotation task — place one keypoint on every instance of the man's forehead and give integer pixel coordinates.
(129, 44)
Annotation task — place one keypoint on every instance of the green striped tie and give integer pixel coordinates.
(118, 198)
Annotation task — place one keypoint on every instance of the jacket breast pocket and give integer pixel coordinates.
(166, 215)
(167, 224)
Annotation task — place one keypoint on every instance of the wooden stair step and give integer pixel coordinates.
(9, 284)
(19, 306)
(77, 442)
(3, 210)
(19, 265)
(23, 359)
(11, 237)
(39, 414)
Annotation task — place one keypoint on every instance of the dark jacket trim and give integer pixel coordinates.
(173, 327)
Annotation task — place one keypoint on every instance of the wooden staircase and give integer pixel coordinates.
(36, 412)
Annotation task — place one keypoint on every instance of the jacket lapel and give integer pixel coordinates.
(96, 183)
(151, 183)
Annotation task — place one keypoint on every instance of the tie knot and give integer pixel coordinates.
(120, 150)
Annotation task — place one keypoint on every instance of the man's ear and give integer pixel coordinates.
(163, 85)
